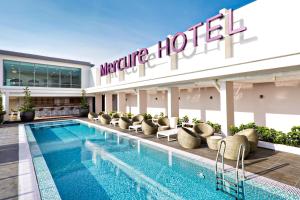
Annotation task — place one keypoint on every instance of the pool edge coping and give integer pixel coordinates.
(39, 192)
(31, 180)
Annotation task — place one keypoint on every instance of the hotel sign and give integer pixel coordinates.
(170, 44)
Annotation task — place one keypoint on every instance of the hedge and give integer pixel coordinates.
(266, 134)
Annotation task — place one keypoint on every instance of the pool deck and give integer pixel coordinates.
(279, 166)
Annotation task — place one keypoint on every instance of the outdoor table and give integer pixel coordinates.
(135, 127)
(114, 123)
(167, 133)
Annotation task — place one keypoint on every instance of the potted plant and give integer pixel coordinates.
(2, 112)
(27, 111)
(84, 106)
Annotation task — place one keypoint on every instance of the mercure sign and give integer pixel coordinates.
(140, 56)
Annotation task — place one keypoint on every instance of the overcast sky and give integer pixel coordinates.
(98, 30)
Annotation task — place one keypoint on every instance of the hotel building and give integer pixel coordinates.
(249, 76)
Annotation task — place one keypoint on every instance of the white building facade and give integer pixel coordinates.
(55, 84)
(249, 76)
(227, 73)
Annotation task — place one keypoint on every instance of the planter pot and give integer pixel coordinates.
(1, 119)
(83, 112)
(279, 147)
(27, 116)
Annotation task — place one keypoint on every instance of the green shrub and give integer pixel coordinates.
(216, 126)
(27, 104)
(129, 115)
(293, 137)
(83, 102)
(115, 115)
(161, 114)
(179, 122)
(147, 116)
(185, 119)
(196, 121)
(234, 129)
(271, 135)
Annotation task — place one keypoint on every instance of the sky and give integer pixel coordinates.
(98, 31)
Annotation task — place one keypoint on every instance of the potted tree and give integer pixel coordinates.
(2, 112)
(27, 111)
(84, 106)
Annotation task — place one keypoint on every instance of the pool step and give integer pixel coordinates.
(223, 182)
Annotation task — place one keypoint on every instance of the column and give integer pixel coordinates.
(5, 104)
(227, 42)
(108, 102)
(142, 101)
(121, 102)
(98, 102)
(90, 102)
(173, 102)
(227, 106)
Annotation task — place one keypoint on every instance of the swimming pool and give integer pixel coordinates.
(74, 160)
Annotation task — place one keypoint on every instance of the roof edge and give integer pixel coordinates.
(47, 58)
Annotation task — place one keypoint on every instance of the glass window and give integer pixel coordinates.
(53, 77)
(65, 75)
(76, 78)
(26, 74)
(11, 73)
(41, 75)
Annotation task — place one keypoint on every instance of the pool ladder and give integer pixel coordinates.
(223, 183)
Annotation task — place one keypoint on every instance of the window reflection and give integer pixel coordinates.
(39, 75)
(26, 74)
(53, 77)
(11, 73)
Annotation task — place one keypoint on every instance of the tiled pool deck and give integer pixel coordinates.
(279, 166)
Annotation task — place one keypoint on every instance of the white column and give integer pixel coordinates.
(90, 102)
(98, 102)
(108, 102)
(173, 102)
(227, 106)
(142, 101)
(121, 102)
(5, 104)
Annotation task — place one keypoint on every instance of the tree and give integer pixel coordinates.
(27, 105)
(84, 103)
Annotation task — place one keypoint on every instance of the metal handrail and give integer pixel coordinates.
(241, 149)
(241, 156)
(217, 160)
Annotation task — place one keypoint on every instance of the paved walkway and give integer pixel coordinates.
(9, 158)
(279, 166)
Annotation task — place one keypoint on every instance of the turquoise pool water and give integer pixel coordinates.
(88, 163)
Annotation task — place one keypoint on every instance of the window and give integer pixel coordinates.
(53, 77)
(39, 75)
(11, 73)
(66, 75)
(76, 78)
(26, 74)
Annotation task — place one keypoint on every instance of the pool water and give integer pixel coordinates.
(90, 163)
